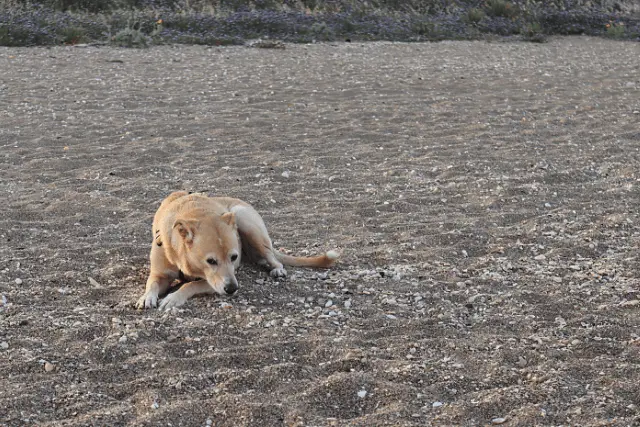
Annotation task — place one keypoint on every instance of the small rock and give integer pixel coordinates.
(540, 257)
(328, 304)
(4, 345)
(18, 281)
(522, 362)
(94, 283)
(122, 339)
(497, 421)
(208, 422)
(391, 316)
(630, 303)
(155, 405)
(190, 352)
(48, 367)
(436, 404)
(285, 174)
(347, 304)
(116, 320)
(362, 394)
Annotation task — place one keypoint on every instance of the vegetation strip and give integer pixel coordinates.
(139, 23)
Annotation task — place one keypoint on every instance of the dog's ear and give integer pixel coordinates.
(229, 218)
(185, 228)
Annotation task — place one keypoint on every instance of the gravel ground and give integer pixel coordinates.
(484, 196)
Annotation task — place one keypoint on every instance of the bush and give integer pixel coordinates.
(130, 37)
(474, 16)
(232, 21)
(615, 30)
(73, 35)
(501, 8)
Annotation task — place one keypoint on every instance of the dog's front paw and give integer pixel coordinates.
(172, 300)
(148, 300)
(278, 272)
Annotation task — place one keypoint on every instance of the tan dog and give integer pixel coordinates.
(202, 239)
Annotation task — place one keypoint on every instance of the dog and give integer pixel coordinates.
(201, 239)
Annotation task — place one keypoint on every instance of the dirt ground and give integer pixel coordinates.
(484, 195)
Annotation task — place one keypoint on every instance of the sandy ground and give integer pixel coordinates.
(485, 197)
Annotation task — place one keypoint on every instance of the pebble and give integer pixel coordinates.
(391, 316)
(540, 257)
(437, 404)
(209, 422)
(18, 281)
(190, 352)
(48, 367)
(497, 421)
(328, 304)
(4, 345)
(285, 174)
(630, 303)
(347, 304)
(122, 339)
(362, 394)
(155, 405)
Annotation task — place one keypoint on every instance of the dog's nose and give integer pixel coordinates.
(231, 288)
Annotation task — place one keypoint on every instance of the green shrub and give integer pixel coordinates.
(130, 37)
(474, 15)
(501, 8)
(73, 35)
(532, 32)
(615, 30)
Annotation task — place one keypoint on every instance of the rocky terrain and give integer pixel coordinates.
(484, 197)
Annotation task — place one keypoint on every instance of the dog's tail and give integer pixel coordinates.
(322, 261)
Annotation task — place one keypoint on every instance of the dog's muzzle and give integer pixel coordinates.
(231, 288)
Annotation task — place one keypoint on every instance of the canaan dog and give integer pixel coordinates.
(201, 239)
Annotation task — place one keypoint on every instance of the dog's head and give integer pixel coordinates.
(210, 249)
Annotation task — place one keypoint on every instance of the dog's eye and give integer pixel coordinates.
(212, 261)
(234, 257)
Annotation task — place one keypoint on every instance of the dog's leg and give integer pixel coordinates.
(156, 286)
(160, 278)
(255, 239)
(179, 297)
